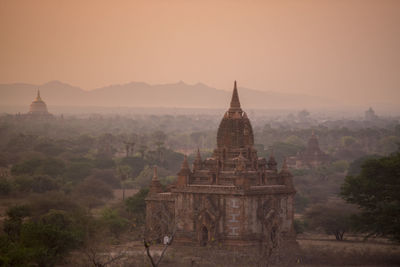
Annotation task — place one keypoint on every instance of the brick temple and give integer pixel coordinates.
(233, 198)
(311, 157)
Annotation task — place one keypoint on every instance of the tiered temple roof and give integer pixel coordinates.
(235, 157)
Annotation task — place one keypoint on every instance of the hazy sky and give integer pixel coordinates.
(339, 48)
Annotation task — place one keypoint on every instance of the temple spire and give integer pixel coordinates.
(185, 164)
(235, 103)
(184, 174)
(38, 96)
(197, 163)
(155, 175)
(198, 156)
(155, 186)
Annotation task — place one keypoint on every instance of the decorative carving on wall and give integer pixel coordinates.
(162, 221)
(207, 218)
(268, 214)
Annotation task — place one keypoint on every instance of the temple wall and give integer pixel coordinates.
(239, 218)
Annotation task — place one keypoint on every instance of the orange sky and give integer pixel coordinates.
(339, 48)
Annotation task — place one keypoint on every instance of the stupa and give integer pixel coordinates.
(38, 106)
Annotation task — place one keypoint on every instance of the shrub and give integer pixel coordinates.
(5, 187)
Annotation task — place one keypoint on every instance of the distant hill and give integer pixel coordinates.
(135, 94)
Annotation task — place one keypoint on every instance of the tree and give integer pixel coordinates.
(295, 140)
(355, 166)
(5, 186)
(136, 163)
(333, 217)
(77, 171)
(49, 148)
(41, 242)
(136, 205)
(389, 144)
(348, 141)
(50, 238)
(91, 192)
(52, 167)
(376, 191)
(13, 222)
(107, 176)
(23, 183)
(26, 167)
(159, 139)
(142, 150)
(114, 222)
(43, 183)
(123, 173)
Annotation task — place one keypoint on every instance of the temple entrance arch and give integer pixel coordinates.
(204, 236)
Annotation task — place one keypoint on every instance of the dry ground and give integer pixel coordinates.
(313, 250)
(322, 250)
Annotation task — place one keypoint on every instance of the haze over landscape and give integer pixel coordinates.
(342, 53)
(230, 132)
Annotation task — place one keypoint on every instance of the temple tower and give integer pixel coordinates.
(234, 197)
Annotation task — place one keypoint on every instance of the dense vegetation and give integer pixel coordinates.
(376, 191)
(58, 176)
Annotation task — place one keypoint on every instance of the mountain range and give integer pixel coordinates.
(137, 94)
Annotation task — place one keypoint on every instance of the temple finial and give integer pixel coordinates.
(38, 95)
(235, 103)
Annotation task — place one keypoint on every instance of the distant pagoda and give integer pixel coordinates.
(38, 107)
(311, 157)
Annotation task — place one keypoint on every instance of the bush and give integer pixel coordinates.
(52, 167)
(136, 205)
(26, 167)
(43, 183)
(43, 241)
(5, 187)
(23, 183)
(77, 171)
(115, 223)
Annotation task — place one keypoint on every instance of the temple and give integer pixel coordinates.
(233, 198)
(38, 107)
(311, 157)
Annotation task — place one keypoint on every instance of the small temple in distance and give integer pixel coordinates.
(38, 109)
(233, 198)
(38, 106)
(311, 157)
